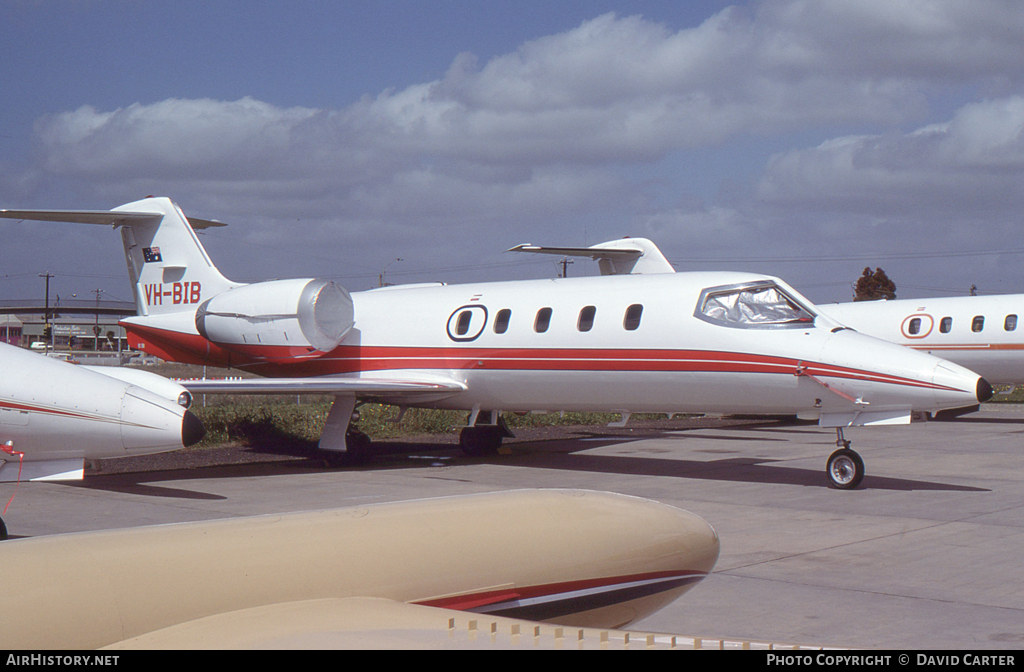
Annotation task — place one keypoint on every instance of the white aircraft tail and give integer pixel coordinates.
(169, 269)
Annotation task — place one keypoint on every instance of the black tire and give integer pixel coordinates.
(3, 530)
(480, 440)
(845, 469)
(357, 446)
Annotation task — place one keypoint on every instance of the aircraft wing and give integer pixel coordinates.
(362, 387)
(377, 623)
(109, 217)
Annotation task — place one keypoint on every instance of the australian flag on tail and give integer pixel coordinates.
(151, 254)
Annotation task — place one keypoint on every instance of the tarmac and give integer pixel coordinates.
(925, 554)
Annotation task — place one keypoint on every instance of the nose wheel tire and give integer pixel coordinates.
(845, 469)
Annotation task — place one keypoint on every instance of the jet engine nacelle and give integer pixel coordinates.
(301, 313)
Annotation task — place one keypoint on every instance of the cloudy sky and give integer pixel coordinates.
(803, 138)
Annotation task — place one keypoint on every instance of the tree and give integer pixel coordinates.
(873, 286)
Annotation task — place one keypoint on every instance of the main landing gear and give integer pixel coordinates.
(845, 468)
(484, 438)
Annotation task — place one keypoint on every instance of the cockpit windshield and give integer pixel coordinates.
(762, 305)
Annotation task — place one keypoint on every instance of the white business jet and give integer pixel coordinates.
(978, 332)
(55, 415)
(640, 338)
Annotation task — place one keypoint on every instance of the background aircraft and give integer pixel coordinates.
(55, 415)
(639, 339)
(373, 576)
(978, 332)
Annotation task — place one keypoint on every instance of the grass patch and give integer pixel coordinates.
(299, 420)
(277, 420)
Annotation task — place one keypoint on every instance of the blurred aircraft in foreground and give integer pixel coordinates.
(435, 573)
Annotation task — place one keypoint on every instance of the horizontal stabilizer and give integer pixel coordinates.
(107, 217)
(615, 257)
(42, 470)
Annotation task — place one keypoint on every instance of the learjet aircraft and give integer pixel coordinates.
(638, 338)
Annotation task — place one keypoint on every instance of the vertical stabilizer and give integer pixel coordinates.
(169, 269)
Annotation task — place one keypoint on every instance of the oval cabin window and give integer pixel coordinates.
(543, 321)
(632, 319)
(586, 319)
(501, 321)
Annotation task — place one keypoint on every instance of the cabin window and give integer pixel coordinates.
(540, 325)
(760, 305)
(463, 325)
(914, 327)
(1010, 324)
(632, 320)
(586, 319)
(945, 324)
(501, 321)
(467, 323)
(978, 323)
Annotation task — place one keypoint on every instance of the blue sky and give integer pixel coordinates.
(803, 139)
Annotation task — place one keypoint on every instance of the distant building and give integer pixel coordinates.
(10, 329)
(74, 325)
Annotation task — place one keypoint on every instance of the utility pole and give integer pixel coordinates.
(96, 329)
(47, 329)
(565, 267)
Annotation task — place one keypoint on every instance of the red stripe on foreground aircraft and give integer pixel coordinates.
(55, 415)
(638, 338)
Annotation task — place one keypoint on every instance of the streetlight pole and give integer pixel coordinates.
(384, 270)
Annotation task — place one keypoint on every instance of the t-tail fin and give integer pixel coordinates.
(169, 269)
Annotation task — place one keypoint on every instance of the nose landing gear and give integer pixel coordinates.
(845, 467)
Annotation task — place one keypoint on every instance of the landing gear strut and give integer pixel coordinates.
(845, 467)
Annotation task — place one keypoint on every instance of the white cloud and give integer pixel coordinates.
(614, 89)
(973, 162)
(540, 137)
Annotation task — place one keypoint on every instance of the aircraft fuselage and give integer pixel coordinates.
(631, 343)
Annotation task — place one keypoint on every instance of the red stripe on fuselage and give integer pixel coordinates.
(280, 362)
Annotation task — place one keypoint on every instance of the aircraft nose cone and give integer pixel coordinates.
(984, 390)
(192, 430)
